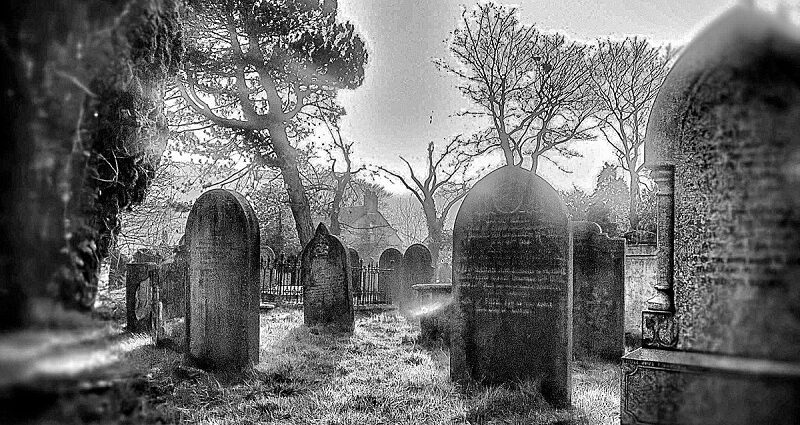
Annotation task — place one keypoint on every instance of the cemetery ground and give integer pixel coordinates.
(380, 373)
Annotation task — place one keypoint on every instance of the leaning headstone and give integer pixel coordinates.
(138, 296)
(222, 325)
(598, 301)
(355, 270)
(326, 276)
(390, 274)
(418, 270)
(721, 337)
(512, 284)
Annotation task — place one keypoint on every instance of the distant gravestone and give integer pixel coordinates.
(721, 335)
(172, 280)
(267, 255)
(598, 303)
(417, 270)
(390, 273)
(147, 255)
(327, 288)
(355, 270)
(138, 296)
(512, 284)
(222, 238)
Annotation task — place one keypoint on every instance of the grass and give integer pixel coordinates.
(377, 375)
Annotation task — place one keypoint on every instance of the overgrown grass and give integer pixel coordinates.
(377, 375)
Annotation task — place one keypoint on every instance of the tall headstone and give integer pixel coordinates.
(222, 239)
(721, 337)
(598, 295)
(327, 285)
(417, 270)
(355, 270)
(390, 274)
(138, 296)
(512, 284)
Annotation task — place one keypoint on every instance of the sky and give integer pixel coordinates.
(405, 102)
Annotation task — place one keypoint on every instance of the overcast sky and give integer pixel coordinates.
(405, 102)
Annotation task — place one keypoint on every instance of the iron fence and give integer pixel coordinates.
(280, 282)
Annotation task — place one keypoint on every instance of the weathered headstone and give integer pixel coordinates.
(327, 287)
(640, 280)
(721, 337)
(417, 270)
(512, 284)
(355, 270)
(172, 279)
(598, 295)
(138, 296)
(222, 238)
(390, 278)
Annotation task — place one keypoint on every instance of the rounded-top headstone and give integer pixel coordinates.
(222, 239)
(512, 284)
(418, 270)
(267, 255)
(727, 121)
(390, 277)
(327, 286)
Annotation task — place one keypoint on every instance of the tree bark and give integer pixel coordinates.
(298, 201)
(336, 205)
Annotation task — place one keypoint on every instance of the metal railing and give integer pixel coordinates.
(281, 284)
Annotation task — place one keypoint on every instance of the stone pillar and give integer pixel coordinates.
(658, 320)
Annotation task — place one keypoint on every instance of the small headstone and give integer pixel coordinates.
(390, 277)
(222, 324)
(138, 296)
(512, 284)
(267, 255)
(172, 282)
(598, 303)
(418, 270)
(355, 271)
(326, 276)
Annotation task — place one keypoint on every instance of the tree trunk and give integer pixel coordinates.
(505, 144)
(434, 229)
(534, 162)
(633, 214)
(298, 201)
(336, 205)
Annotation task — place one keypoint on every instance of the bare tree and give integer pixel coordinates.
(343, 180)
(443, 185)
(405, 215)
(253, 68)
(628, 74)
(532, 86)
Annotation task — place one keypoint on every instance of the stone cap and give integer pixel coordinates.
(737, 39)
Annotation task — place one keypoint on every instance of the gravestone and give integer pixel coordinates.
(355, 271)
(172, 279)
(390, 276)
(598, 295)
(721, 336)
(267, 255)
(512, 284)
(222, 239)
(138, 296)
(147, 255)
(327, 287)
(417, 270)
